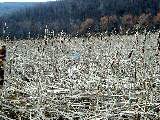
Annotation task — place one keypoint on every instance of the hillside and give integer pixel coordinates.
(74, 16)
(7, 8)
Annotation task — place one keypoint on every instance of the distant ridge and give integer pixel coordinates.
(9, 7)
(80, 16)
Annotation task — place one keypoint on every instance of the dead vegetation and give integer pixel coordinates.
(96, 78)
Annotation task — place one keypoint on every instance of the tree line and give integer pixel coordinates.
(82, 16)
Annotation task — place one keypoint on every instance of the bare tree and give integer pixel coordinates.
(87, 24)
(104, 23)
(145, 20)
(127, 22)
(156, 19)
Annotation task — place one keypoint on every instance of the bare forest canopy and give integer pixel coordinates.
(82, 16)
(8, 8)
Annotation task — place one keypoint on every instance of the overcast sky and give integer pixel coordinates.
(25, 0)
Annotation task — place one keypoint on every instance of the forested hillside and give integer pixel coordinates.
(7, 8)
(81, 16)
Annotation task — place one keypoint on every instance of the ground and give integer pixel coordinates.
(116, 77)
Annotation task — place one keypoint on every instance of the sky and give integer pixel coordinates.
(25, 0)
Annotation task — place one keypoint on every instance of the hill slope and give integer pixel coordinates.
(68, 15)
(9, 7)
